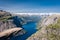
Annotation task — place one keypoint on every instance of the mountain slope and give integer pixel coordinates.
(8, 27)
(50, 29)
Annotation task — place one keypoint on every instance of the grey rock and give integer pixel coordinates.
(43, 33)
(7, 26)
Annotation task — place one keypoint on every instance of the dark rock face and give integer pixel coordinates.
(7, 21)
(17, 21)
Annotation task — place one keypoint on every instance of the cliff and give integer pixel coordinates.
(49, 29)
(8, 26)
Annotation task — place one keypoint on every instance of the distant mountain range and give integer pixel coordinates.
(28, 17)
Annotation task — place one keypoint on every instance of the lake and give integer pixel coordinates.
(30, 27)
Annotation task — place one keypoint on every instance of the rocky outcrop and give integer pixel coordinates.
(8, 26)
(7, 33)
(50, 29)
(4, 13)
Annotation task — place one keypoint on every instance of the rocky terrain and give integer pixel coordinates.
(49, 29)
(9, 26)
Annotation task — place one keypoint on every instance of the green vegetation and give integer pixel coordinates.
(55, 26)
(50, 32)
(53, 31)
(5, 18)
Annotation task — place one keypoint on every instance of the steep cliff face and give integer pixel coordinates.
(8, 26)
(50, 29)
(4, 21)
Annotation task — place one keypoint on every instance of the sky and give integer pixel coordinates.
(30, 6)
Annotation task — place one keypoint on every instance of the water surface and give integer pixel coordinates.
(30, 28)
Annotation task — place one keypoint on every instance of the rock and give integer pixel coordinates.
(50, 29)
(6, 33)
(8, 28)
(4, 13)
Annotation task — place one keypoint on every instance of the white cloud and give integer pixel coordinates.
(36, 13)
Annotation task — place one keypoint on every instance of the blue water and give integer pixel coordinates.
(30, 28)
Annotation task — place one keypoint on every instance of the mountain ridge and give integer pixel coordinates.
(48, 24)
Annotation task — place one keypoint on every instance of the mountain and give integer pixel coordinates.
(49, 29)
(8, 26)
(30, 17)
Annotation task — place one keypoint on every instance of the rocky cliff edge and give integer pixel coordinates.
(7, 26)
(50, 29)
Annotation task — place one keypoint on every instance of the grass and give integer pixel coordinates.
(5, 18)
(53, 33)
(55, 25)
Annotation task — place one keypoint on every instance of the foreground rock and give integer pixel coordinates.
(8, 26)
(49, 29)
(7, 33)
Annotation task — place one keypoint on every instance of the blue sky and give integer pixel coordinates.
(31, 6)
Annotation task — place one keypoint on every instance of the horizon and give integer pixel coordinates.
(35, 13)
(30, 6)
